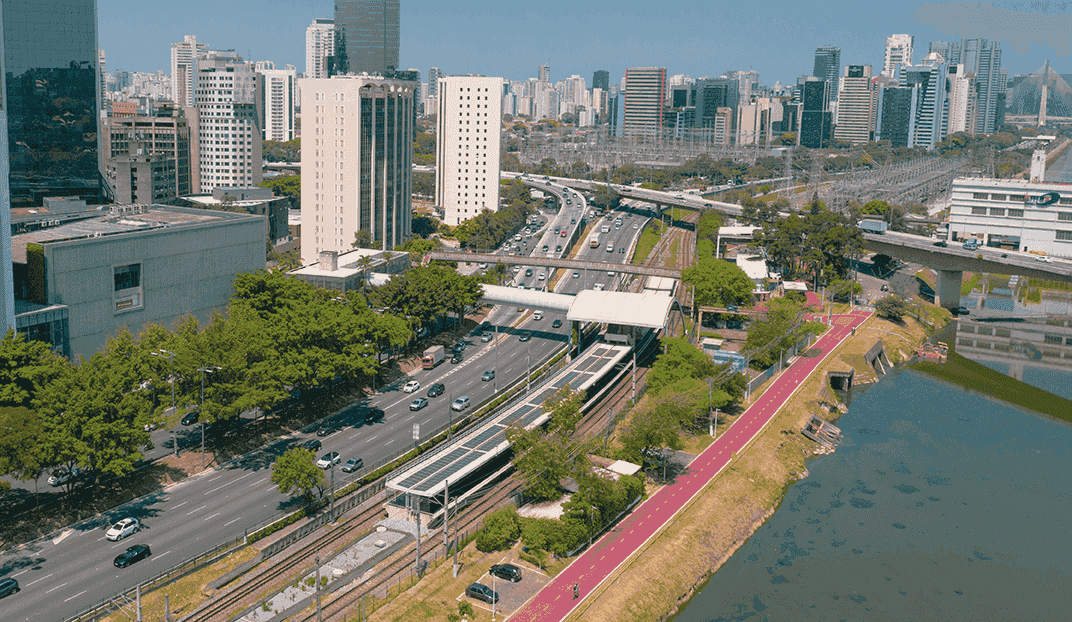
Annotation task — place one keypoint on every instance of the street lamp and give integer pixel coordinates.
(209, 369)
(171, 359)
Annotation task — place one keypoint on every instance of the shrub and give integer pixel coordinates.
(501, 529)
(465, 609)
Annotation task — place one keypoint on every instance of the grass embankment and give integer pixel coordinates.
(980, 378)
(968, 285)
(649, 237)
(720, 519)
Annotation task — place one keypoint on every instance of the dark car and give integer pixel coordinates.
(457, 358)
(528, 272)
(132, 555)
(436, 389)
(621, 249)
(8, 587)
(488, 375)
(941, 243)
(521, 337)
(558, 248)
(191, 418)
(326, 428)
(508, 572)
(311, 444)
(352, 465)
(557, 323)
(482, 592)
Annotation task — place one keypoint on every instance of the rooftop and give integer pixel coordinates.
(647, 309)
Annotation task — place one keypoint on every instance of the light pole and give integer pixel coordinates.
(171, 359)
(209, 369)
(332, 510)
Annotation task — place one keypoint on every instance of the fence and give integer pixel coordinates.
(768, 373)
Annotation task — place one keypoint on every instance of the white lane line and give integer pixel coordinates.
(162, 554)
(254, 483)
(23, 572)
(390, 441)
(75, 596)
(197, 510)
(180, 505)
(216, 478)
(213, 516)
(373, 438)
(233, 521)
(41, 579)
(57, 587)
(230, 482)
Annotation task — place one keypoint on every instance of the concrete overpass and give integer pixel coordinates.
(950, 262)
(550, 262)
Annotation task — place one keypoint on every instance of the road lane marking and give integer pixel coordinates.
(180, 505)
(233, 521)
(213, 516)
(229, 483)
(197, 510)
(41, 579)
(75, 596)
(162, 554)
(57, 587)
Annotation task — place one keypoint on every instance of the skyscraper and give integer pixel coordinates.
(433, 83)
(898, 52)
(319, 45)
(278, 87)
(928, 124)
(544, 74)
(828, 67)
(814, 117)
(7, 284)
(601, 80)
(856, 106)
(184, 69)
(366, 36)
(981, 58)
(961, 100)
(643, 114)
(228, 98)
(468, 146)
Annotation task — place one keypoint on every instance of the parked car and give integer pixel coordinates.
(486, 337)
(352, 465)
(132, 555)
(537, 315)
(191, 418)
(312, 444)
(488, 375)
(328, 459)
(528, 272)
(63, 475)
(418, 403)
(460, 404)
(576, 274)
(482, 592)
(8, 587)
(508, 572)
(411, 386)
(436, 389)
(123, 528)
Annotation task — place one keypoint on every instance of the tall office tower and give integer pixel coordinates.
(544, 73)
(467, 146)
(366, 37)
(814, 117)
(357, 160)
(895, 108)
(981, 58)
(7, 283)
(644, 88)
(319, 45)
(961, 100)
(433, 83)
(710, 95)
(928, 124)
(102, 82)
(184, 69)
(576, 91)
(601, 80)
(856, 106)
(164, 134)
(228, 97)
(828, 67)
(277, 93)
(898, 52)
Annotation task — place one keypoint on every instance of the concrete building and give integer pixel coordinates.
(468, 146)
(928, 124)
(141, 176)
(357, 160)
(366, 37)
(961, 100)
(544, 73)
(229, 133)
(345, 272)
(815, 119)
(856, 106)
(601, 80)
(644, 88)
(711, 94)
(1004, 212)
(256, 201)
(898, 52)
(982, 59)
(79, 283)
(165, 133)
(894, 109)
(184, 57)
(278, 88)
(319, 46)
(828, 67)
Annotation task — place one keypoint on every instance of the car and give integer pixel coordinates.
(8, 587)
(328, 460)
(610, 273)
(1044, 259)
(545, 248)
(486, 337)
(149, 427)
(190, 418)
(731, 308)
(636, 226)
(312, 444)
(541, 276)
(1004, 255)
(507, 572)
(62, 475)
(576, 274)
(516, 269)
(436, 390)
(123, 528)
(456, 358)
(563, 233)
(460, 345)
(548, 183)
(962, 310)
(132, 555)
(528, 271)
(557, 323)
(598, 287)
(885, 287)
(488, 375)
(460, 404)
(373, 415)
(411, 386)
(621, 249)
(352, 465)
(418, 403)
(572, 221)
(558, 248)
(537, 315)
(482, 592)
(520, 337)
(482, 266)
(941, 243)
(521, 286)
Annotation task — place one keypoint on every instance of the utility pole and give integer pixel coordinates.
(316, 562)
(171, 359)
(203, 370)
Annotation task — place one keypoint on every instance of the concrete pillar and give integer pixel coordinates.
(947, 294)
(1016, 369)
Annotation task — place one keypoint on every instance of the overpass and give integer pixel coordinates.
(950, 262)
(550, 262)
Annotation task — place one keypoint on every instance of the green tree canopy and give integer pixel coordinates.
(26, 367)
(892, 308)
(718, 282)
(294, 473)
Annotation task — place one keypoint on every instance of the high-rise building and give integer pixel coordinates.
(357, 160)
(433, 83)
(895, 108)
(366, 36)
(228, 98)
(644, 88)
(165, 133)
(712, 94)
(961, 100)
(319, 46)
(814, 116)
(898, 52)
(928, 124)
(184, 69)
(467, 146)
(856, 106)
(828, 67)
(601, 80)
(544, 73)
(982, 59)
(7, 283)
(278, 88)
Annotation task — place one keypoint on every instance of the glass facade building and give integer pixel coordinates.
(366, 37)
(50, 58)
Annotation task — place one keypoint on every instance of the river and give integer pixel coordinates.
(941, 504)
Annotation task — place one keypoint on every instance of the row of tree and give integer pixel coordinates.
(488, 229)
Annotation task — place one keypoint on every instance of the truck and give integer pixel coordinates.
(433, 356)
(873, 226)
(594, 242)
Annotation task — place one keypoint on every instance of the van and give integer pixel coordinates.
(610, 248)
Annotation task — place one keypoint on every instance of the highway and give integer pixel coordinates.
(73, 571)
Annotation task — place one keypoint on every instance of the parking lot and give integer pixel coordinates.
(511, 595)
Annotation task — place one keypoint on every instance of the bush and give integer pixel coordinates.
(891, 308)
(465, 609)
(502, 528)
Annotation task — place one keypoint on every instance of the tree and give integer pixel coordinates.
(892, 308)
(656, 425)
(22, 445)
(362, 239)
(501, 530)
(779, 330)
(840, 289)
(424, 225)
(679, 359)
(26, 366)
(718, 282)
(294, 472)
(606, 197)
(543, 455)
(564, 408)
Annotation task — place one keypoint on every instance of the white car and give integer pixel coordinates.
(1044, 258)
(123, 528)
(537, 315)
(61, 476)
(486, 337)
(411, 386)
(541, 276)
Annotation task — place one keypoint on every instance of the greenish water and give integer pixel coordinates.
(942, 504)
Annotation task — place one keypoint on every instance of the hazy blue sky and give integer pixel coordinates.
(510, 39)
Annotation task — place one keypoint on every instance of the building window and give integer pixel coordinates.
(127, 293)
(993, 197)
(1065, 201)
(1064, 236)
(127, 277)
(979, 195)
(1064, 215)
(1017, 197)
(978, 211)
(1015, 213)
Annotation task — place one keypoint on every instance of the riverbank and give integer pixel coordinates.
(699, 540)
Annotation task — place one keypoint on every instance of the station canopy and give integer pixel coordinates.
(647, 309)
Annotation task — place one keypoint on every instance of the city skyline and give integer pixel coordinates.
(578, 40)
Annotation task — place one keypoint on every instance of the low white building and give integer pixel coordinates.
(1015, 214)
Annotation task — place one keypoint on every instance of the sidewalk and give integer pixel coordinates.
(587, 572)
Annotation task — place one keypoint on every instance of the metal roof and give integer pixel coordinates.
(528, 298)
(647, 309)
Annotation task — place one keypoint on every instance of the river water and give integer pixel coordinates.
(941, 504)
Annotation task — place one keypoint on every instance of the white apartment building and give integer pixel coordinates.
(184, 69)
(856, 106)
(1004, 212)
(356, 160)
(898, 52)
(319, 44)
(961, 100)
(467, 146)
(279, 90)
(228, 122)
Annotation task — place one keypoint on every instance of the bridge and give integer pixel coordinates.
(550, 262)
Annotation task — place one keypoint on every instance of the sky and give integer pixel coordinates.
(510, 39)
